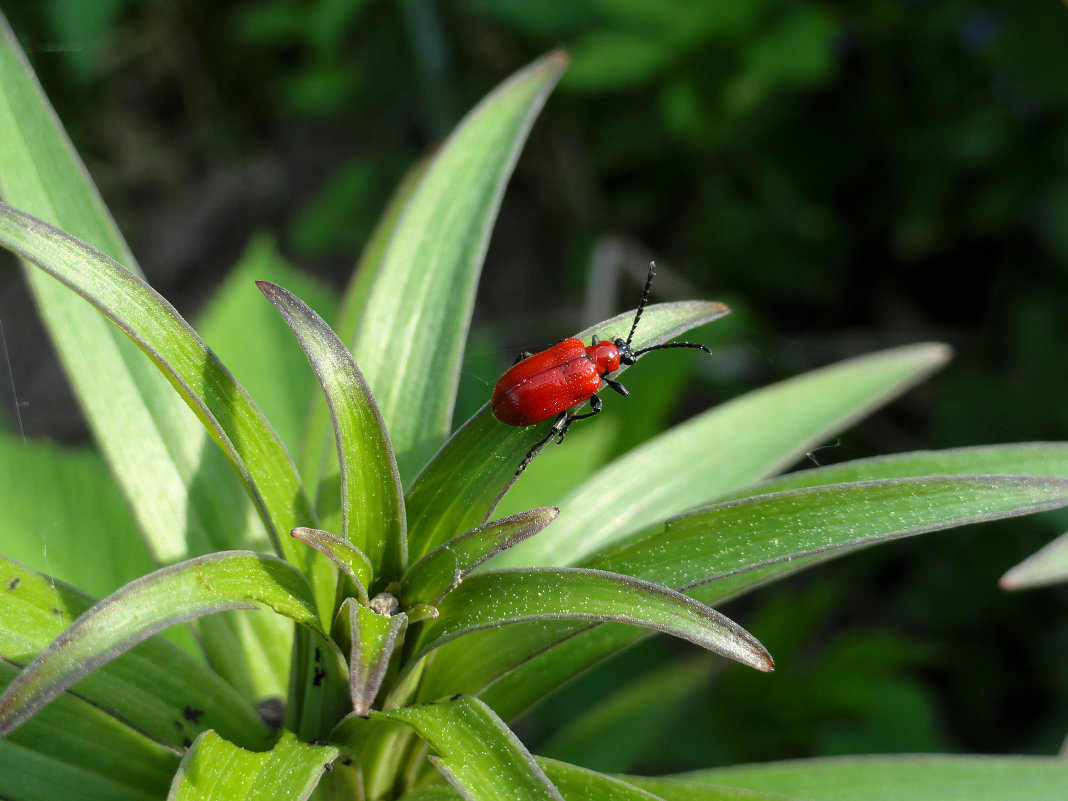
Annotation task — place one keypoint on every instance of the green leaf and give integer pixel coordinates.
(155, 688)
(579, 784)
(410, 337)
(149, 320)
(316, 445)
(349, 559)
(51, 497)
(731, 541)
(184, 498)
(1047, 566)
(372, 511)
(374, 637)
(574, 784)
(215, 770)
(256, 345)
(488, 600)
(739, 536)
(463, 483)
(721, 451)
(894, 778)
(647, 709)
(202, 586)
(74, 750)
(429, 579)
(479, 754)
(1021, 459)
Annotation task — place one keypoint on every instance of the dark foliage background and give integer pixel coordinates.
(847, 175)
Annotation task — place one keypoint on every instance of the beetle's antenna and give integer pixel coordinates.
(645, 299)
(667, 345)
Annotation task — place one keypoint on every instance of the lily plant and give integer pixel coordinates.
(365, 627)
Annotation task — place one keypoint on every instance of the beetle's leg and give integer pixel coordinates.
(524, 355)
(559, 427)
(622, 390)
(595, 407)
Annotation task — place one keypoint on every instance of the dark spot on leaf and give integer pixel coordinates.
(56, 611)
(456, 697)
(178, 724)
(13, 583)
(329, 766)
(187, 742)
(318, 676)
(191, 714)
(346, 761)
(318, 655)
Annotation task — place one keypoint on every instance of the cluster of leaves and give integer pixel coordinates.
(404, 641)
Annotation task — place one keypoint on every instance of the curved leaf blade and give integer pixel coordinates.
(409, 340)
(175, 594)
(740, 536)
(349, 559)
(149, 320)
(441, 570)
(461, 486)
(479, 754)
(1018, 459)
(895, 778)
(374, 637)
(489, 600)
(512, 670)
(578, 784)
(156, 688)
(723, 450)
(73, 750)
(216, 770)
(1046, 566)
(43, 175)
(372, 512)
(315, 444)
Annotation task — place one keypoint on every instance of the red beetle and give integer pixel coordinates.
(540, 385)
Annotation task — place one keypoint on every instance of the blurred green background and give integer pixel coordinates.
(848, 176)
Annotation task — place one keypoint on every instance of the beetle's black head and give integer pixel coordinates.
(626, 352)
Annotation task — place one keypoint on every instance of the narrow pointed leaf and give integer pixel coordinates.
(74, 750)
(1046, 566)
(647, 708)
(155, 688)
(894, 778)
(764, 538)
(1018, 459)
(463, 483)
(488, 600)
(51, 496)
(149, 320)
(374, 638)
(216, 770)
(233, 580)
(441, 570)
(739, 536)
(256, 345)
(409, 339)
(349, 559)
(723, 450)
(317, 441)
(372, 512)
(479, 754)
(577, 784)
(134, 412)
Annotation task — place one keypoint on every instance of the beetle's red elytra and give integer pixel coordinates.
(553, 382)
